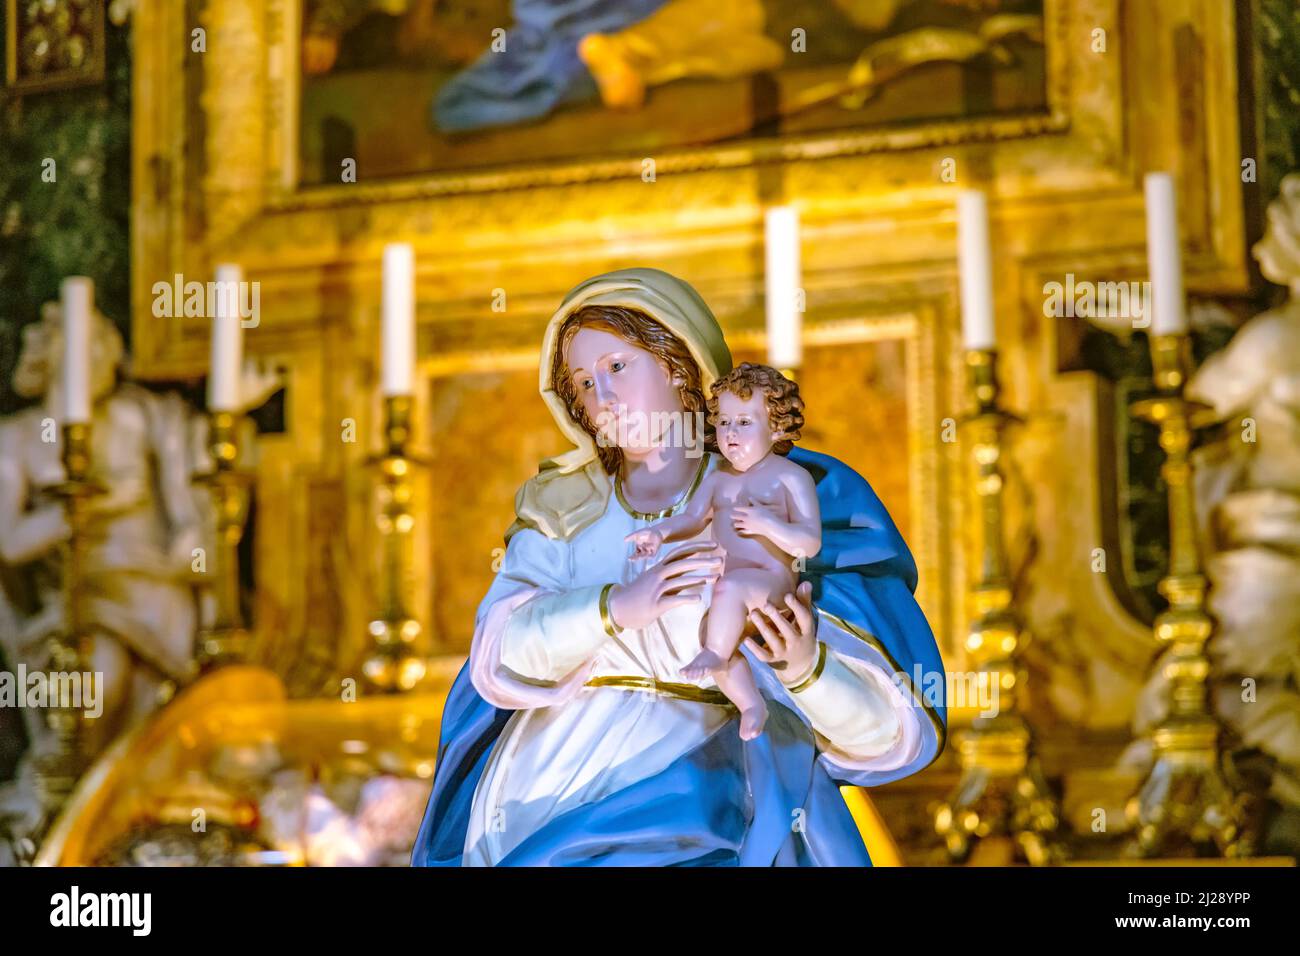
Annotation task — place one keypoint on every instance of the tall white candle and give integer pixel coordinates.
(77, 299)
(975, 259)
(784, 314)
(398, 372)
(1164, 257)
(227, 341)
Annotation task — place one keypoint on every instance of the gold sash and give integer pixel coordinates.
(703, 695)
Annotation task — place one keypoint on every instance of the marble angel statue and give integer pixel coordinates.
(571, 736)
(143, 597)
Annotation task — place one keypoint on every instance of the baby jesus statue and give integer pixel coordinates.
(764, 515)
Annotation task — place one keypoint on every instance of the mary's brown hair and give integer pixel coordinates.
(639, 329)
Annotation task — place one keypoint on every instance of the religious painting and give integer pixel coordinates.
(409, 87)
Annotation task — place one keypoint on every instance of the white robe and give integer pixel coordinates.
(539, 638)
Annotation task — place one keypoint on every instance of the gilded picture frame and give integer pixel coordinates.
(67, 36)
(914, 48)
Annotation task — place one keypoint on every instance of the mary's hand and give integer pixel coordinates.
(791, 644)
(679, 579)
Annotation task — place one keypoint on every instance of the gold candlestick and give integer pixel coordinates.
(391, 665)
(59, 769)
(1001, 791)
(226, 640)
(1185, 796)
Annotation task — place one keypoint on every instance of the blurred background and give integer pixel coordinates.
(278, 588)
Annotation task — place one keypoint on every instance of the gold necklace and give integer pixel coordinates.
(656, 515)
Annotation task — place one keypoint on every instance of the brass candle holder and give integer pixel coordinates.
(1185, 797)
(391, 664)
(59, 769)
(1001, 792)
(226, 639)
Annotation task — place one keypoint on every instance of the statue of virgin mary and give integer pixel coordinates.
(570, 736)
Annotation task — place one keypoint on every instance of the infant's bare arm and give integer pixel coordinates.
(802, 534)
(695, 517)
(805, 512)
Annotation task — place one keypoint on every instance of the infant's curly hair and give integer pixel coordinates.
(784, 406)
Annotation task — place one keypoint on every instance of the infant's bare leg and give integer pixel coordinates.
(723, 624)
(734, 595)
(736, 680)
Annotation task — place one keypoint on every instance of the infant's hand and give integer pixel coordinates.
(753, 520)
(647, 542)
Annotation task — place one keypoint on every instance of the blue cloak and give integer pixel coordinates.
(771, 801)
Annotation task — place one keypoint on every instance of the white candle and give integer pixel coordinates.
(398, 371)
(975, 260)
(1164, 257)
(784, 306)
(77, 298)
(227, 342)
